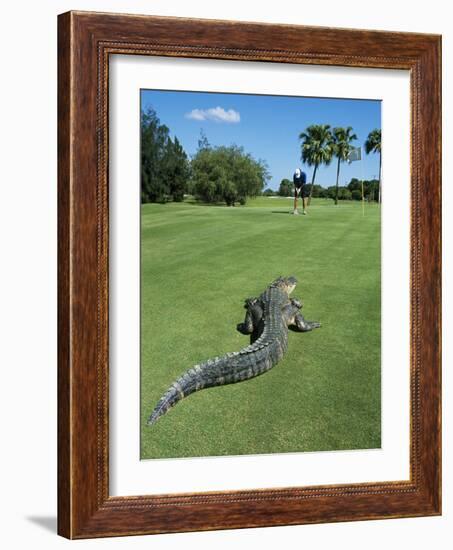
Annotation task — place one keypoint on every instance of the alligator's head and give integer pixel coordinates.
(287, 284)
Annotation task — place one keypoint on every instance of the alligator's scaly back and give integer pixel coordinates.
(270, 314)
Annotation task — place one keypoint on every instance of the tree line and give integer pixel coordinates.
(320, 144)
(229, 174)
(214, 174)
(352, 191)
(165, 167)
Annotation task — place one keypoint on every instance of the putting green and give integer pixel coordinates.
(199, 263)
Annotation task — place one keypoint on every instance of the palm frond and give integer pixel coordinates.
(316, 147)
(373, 142)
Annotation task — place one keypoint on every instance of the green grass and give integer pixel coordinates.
(198, 265)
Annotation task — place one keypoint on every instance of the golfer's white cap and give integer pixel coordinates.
(297, 172)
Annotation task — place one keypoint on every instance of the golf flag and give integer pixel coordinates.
(355, 154)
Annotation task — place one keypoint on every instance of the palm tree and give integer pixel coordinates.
(342, 138)
(316, 148)
(373, 145)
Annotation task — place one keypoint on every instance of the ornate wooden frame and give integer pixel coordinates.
(85, 41)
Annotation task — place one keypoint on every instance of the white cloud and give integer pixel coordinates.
(216, 114)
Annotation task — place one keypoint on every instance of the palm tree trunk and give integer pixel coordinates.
(379, 188)
(336, 185)
(312, 183)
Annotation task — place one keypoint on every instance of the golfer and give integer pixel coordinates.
(300, 188)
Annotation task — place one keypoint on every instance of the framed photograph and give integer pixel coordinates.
(249, 275)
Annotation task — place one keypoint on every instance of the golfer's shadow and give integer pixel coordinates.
(281, 212)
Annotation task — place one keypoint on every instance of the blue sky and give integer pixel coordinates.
(267, 127)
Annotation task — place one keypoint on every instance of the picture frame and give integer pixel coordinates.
(85, 42)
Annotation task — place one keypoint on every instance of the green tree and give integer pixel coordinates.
(154, 137)
(286, 188)
(344, 194)
(319, 192)
(203, 142)
(164, 164)
(316, 149)
(370, 188)
(269, 192)
(342, 139)
(175, 170)
(355, 185)
(227, 174)
(373, 145)
(331, 192)
(341, 193)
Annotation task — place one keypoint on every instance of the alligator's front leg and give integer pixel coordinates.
(293, 316)
(253, 316)
(303, 325)
(290, 310)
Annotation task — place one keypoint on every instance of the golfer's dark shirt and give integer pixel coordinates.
(299, 181)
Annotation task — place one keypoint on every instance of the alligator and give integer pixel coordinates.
(267, 320)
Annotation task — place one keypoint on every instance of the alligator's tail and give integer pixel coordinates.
(234, 367)
(214, 372)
